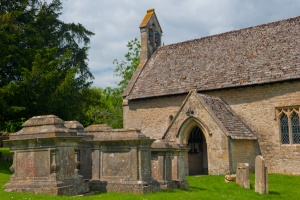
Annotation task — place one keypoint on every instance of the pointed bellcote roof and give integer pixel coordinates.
(151, 33)
(151, 40)
(150, 15)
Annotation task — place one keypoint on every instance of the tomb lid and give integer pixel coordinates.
(159, 144)
(47, 126)
(97, 128)
(43, 120)
(76, 126)
(102, 132)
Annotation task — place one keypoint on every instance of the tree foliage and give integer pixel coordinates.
(109, 108)
(105, 107)
(126, 68)
(43, 68)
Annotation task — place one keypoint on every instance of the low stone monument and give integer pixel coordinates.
(178, 167)
(45, 159)
(57, 157)
(167, 163)
(121, 160)
(84, 151)
(230, 178)
(242, 175)
(261, 176)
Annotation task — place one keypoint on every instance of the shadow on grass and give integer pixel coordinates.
(4, 167)
(166, 191)
(193, 189)
(196, 188)
(275, 193)
(190, 189)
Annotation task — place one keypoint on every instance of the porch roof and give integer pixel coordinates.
(228, 120)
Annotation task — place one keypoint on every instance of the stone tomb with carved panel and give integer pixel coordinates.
(45, 158)
(121, 160)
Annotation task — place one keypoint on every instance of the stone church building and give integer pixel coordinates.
(191, 108)
(226, 97)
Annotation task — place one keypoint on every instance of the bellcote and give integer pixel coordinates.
(151, 33)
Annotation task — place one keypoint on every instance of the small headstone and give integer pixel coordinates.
(242, 175)
(230, 178)
(261, 176)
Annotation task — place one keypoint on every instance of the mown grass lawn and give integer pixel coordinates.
(202, 187)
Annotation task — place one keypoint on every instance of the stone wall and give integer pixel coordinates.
(155, 121)
(152, 115)
(216, 139)
(243, 151)
(255, 105)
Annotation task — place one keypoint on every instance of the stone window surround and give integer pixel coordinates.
(288, 111)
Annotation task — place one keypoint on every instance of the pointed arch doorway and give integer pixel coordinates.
(197, 154)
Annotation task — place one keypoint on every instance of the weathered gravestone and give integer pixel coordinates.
(230, 178)
(261, 176)
(242, 175)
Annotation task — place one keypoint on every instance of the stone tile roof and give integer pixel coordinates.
(147, 17)
(257, 55)
(150, 13)
(232, 124)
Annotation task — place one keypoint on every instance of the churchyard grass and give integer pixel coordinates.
(5, 151)
(202, 187)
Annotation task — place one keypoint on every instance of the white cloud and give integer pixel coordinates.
(105, 79)
(116, 22)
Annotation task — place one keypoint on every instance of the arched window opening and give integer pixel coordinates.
(295, 128)
(151, 37)
(284, 127)
(157, 40)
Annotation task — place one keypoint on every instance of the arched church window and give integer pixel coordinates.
(295, 128)
(289, 124)
(284, 126)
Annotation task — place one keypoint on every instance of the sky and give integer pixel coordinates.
(115, 22)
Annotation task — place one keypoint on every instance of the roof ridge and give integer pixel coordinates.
(233, 31)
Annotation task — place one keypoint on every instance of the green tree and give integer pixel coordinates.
(104, 107)
(126, 68)
(110, 111)
(43, 68)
